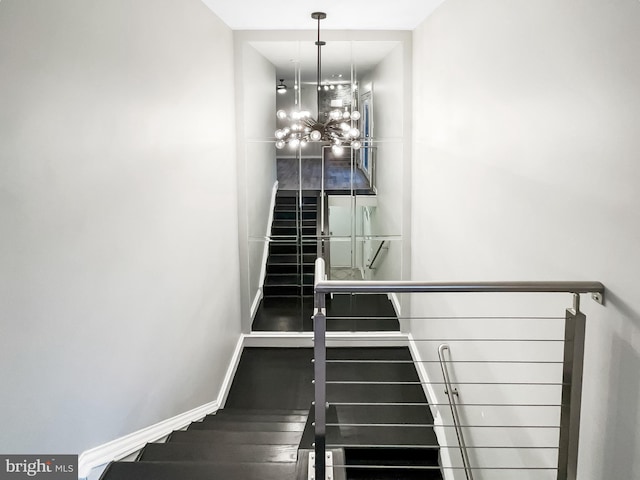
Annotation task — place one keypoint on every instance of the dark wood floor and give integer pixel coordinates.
(281, 378)
(273, 378)
(345, 313)
(337, 175)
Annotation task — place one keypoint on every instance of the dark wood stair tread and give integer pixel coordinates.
(383, 436)
(407, 414)
(248, 426)
(199, 471)
(369, 353)
(265, 411)
(382, 393)
(370, 305)
(255, 417)
(231, 437)
(203, 452)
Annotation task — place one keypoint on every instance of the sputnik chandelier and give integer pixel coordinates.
(339, 129)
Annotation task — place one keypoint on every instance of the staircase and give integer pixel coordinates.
(293, 246)
(252, 439)
(402, 444)
(287, 293)
(244, 444)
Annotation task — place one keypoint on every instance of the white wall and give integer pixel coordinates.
(119, 301)
(255, 124)
(526, 166)
(391, 219)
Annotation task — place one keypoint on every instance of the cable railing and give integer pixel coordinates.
(516, 379)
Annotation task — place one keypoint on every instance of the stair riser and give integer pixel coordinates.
(282, 280)
(292, 231)
(276, 248)
(294, 223)
(308, 251)
(291, 200)
(291, 258)
(271, 291)
(290, 268)
(287, 214)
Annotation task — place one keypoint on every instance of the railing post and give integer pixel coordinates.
(320, 377)
(575, 322)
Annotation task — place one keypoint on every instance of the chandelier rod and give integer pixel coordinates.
(319, 16)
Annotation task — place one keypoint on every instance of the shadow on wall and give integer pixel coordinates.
(620, 437)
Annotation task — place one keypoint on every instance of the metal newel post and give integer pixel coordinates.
(320, 358)
(574, 335)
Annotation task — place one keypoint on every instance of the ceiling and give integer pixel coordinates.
(341, 14)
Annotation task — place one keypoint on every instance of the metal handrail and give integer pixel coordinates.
(375, 257)
(401, 286)
(451, 393)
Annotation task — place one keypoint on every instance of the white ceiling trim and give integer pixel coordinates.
(341, 14)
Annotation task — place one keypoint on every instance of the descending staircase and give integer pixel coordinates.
(252, 440)
(231, 444)
(380, 416)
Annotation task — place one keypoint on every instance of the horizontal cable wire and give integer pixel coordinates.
(337, 317)
(436, 467)
(526, 362)
(445, 340)
(358, 382)
(426, 404)
(437, 447)
(432, 425)
(480, 317)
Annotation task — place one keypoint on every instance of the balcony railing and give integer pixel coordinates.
(528, 397)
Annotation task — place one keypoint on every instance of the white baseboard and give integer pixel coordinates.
(124, 446)
(445, 458)
(129, 444)
(424, 376)
(265, 253)
(395, 301)
(231, 371)
(256, 303)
